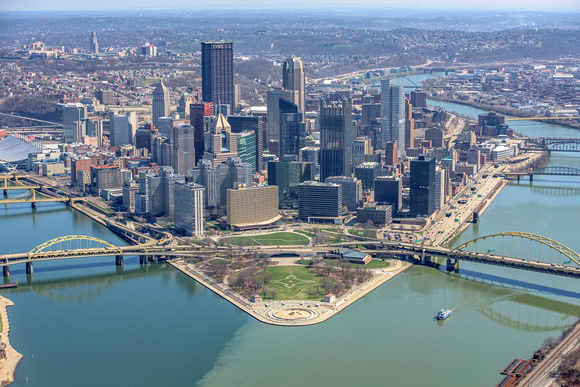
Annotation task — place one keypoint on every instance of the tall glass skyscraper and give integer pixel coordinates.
(422, 193)
(160, 103)
(393, 114)
(217, 72)
(336, 138)
(293, 78)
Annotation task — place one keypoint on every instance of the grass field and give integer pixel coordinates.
(294, 282)
(374, 264)
(275, 239)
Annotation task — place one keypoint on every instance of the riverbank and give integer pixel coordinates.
(506, 111)
(10, 362)
(282, 312)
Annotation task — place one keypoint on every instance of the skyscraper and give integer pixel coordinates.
(94, 46)
(336, 138)
(292, 129)
(293, 78)
(197, 113)
(189, 204)
(182, 148)
(393, 114)
(220, 142)
(217, 72)
(409, 125)
(422, 193)
(273, 111)
(254, 124)
(122, 128)
(160, 103)
(71, 113)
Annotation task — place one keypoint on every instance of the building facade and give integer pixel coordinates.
(160, 103)
(217, 72)
(336, 138)
(188, 202)
(393, 114)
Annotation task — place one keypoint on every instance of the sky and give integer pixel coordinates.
(522, 5)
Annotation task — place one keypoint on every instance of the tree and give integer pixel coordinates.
(264, 277)
(326, 284)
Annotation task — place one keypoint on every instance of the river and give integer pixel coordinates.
(87, 322)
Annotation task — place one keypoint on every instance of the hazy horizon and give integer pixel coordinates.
(417, 5)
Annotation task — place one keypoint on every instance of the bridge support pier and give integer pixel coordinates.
(142, 259)
(6, 271)
(5, 193)
(33, 205)
(29, 269)
(119, 260)
(531, 178)
(518, 177)
(423, 257)
(456, 266)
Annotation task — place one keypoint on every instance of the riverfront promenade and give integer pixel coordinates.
(9, 363)
(306, 312)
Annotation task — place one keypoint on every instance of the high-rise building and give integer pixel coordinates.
(189, 204)
(351, 190)
(419, 98)
(122, 128)
(287, 176)
(292, 129)
(422, 193)
(254, 124)
(391, 153)
(440, 188)
(293, 78)
(370, 112)
(252, 207)
(106, 97)
(246, 146)
(182, 148)
(220, 142)
(160, 103)
(197, 114)
(409, 125)
(360, 148)
(217, 72)
(71, 113)
(273, 98)
(230, 173)
(336, 137)
(435, 135)
(367, 172)
(205, 175)
(169, 179)
(389, 190)
(309, 154)
(183, 106)
(393, 114)
(105, 177)
(94, 45)
(320, 201)
(130, 190)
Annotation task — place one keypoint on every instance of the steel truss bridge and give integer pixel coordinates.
(7, 183)
(539, 253)
(33, 197)
(556, 143)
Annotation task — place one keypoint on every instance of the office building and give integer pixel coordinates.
(197, 114)
(71, 113)
(440, 188)
(182, 148)
(309, 154)
(188, 201)
(169, 180)
(273, 98)
(292, 129)
(220, 143)
(360, 148)
(104, 177)
(336, 138)
(246, 147)
(320, 202)
(393, 114)
(130, 190)
(293, 78)
(94, 45)
(184, 104)
(256, 124)
(351, 190)
(380, 215)
(422, 192)
(391, 153)
(370, 112)
(389, 190)
(287, 176)
(122, 128)
(419, 98)
(409, 125)
(367, 172)
(435, 135)
(217, 72)
(250, 208)
(161, 103)
(205, 174)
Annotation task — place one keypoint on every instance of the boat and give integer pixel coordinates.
(443, 314)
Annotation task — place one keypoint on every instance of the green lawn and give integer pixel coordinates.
(373, 264)
(275, 239)
(294, 282)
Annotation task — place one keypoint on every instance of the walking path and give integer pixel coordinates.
(9, 363)
(292, 312)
